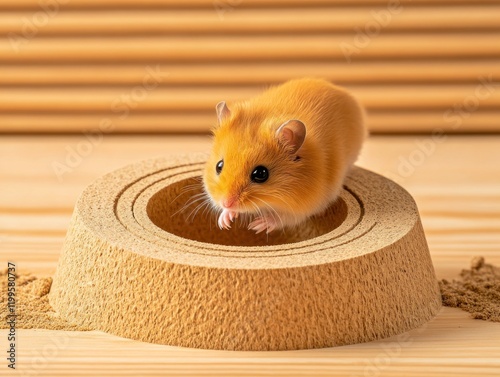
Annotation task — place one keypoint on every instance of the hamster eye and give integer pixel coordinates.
(219, 166)
(260, 174)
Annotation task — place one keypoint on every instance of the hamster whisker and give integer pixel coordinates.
(192, 187)
(189, 202)
(192, 211)
(206, 202)
(209, 210)
(281, 200)
(259, 211)
(217, 214)
(191, 198)
(208, 207)
(187, 188)
(279, 217)
(277, 214)
(196, 210)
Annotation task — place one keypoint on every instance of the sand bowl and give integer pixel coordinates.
(135, 266)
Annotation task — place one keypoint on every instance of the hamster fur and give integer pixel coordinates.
(307, 133)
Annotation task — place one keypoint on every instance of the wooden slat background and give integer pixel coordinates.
(66, 67)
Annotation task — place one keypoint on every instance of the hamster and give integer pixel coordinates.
(282, 156)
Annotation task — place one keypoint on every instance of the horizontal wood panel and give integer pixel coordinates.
(199, 74)
(189, 122)
(246, 48)
(122, 101)
(106, 4)
(307, 20)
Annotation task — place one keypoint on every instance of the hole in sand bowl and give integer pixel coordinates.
(165, 209)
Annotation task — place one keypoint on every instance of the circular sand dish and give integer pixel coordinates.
(135, 264)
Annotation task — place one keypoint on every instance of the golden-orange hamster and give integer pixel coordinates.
(282, 156)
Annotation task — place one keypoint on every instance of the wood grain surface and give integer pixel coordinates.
(454, 180)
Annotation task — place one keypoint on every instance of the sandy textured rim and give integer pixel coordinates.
(145, 179)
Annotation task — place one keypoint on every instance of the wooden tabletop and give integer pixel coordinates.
(454, 180)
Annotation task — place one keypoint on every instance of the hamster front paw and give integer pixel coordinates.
(261, 223)
(225, 218)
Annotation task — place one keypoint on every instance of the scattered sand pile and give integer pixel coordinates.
(32, 304)
(477, 292)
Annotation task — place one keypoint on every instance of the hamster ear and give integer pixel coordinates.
(292, 133)
(222, 111)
